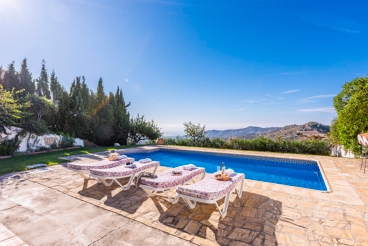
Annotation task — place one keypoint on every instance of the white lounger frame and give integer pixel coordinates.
(152, 191)
(104, 179)
(188, 199)
(85, 174)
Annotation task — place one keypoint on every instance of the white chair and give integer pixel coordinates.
(109, 175)
(166, 181)
(210, 191)
(83, 169)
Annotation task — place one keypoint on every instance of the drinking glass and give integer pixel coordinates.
(218, 168)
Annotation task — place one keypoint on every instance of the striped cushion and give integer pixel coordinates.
(209, 188)
(123, 170)
(167, 180)
(99, 164)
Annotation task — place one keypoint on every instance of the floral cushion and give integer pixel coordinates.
(209, 188)
(167, 180)
(123, 170)
(99, 164)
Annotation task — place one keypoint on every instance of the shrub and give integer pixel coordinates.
(313, 147)
(53, 146)
(9, 146)
(66, 141)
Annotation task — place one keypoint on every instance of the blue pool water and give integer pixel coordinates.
(301, 173)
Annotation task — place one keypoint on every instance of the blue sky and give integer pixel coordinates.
(226, 64)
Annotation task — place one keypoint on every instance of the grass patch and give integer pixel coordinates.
(20, 163)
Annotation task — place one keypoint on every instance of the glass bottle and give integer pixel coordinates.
(223, 173)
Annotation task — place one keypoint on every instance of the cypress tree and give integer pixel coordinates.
(25, 78)
(43, 82)
(10, 79)
(121, 118)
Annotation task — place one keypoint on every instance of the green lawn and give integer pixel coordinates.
(20, 163)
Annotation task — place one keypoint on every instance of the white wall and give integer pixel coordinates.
(340, 151)
(12, 131)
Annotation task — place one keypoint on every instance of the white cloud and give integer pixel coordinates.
(248, 101)
(335, 22)
(318, 110)
(252, 101)
(312, 99)
(126, 80)
(137, 87)
(290, 91)
(237, 109)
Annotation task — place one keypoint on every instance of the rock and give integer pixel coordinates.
(116, 144)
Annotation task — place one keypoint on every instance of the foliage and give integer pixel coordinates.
(313, 147)
(351, 105)
(43, 82)
(140, 129)
(121, 118)
(319, 127)
(195, 132)
(10, 109)
(65, 141)
(45, 106)
(9, 146)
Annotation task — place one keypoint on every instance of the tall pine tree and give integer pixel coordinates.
(10, 79)
(43, 82)
(25, 78)
(121, 118)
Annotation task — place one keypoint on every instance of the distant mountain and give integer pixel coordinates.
(250, 130)
(290, 132)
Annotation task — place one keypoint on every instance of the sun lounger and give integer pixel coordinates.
(109, 175)
(168, 180)
(83, 169)
(209, 190)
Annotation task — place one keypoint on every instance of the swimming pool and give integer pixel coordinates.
(293, 172)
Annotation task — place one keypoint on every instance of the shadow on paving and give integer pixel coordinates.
(128, 201)
(250, 219)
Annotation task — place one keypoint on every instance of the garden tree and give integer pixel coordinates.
(195, 132)
(25, 78)
(63, 115)
(102, 116)
(10, 109)
(351, 105)
(121, 118)
(37, 120)
(86, 97)
(140, 129)
(43, 82)
(80, 108)
(2, 71)
(10, 79)
(56, 88)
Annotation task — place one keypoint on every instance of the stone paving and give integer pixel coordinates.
(266, 214)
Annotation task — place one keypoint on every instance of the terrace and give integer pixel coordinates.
(57, 207)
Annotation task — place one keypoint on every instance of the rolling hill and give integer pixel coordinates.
(290, 132)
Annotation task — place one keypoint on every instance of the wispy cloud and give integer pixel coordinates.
(137, 87)
(237, 109)
(290, 91)
(334, 22)
(248, 101)
(252, 101)
(317, 110)
(313, 98)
